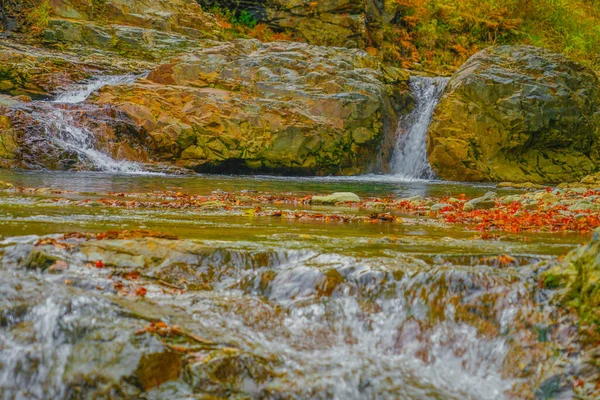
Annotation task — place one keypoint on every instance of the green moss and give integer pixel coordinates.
(39, 17)
(578, 277)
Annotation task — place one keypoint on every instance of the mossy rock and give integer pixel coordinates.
(518, 114)
(282, 108)
(578, 278)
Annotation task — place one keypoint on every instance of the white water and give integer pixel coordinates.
(410, 156)
(82, 92)
(64, 131)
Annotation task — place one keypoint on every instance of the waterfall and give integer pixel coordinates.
(62, 129)
(410, 156)
(82, 92)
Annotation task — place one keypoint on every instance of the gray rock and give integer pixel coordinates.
(439, 206)
(482, 203)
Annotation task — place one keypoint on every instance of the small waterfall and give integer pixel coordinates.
(410, 156)
(63, 130)
(82, 92)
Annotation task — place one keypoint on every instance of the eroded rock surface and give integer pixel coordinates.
(519, 114)
(275, 107)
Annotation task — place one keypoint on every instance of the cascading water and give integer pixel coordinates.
(410, 156)
(62, 129)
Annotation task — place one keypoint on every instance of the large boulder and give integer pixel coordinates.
(280, 107)
(519, 114)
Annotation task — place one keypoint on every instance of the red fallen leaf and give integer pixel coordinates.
(99, 264)
(133, 275)
(578, 383)
(141, 291)
(506, 260)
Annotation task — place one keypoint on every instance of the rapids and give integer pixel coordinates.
(269, 307)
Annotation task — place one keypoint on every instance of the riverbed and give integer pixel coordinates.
(235, 300)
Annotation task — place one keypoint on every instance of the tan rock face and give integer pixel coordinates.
(277, 107)
(373, 25)
(180, 16)
(144, 29)
(36, 74)
(518, 114)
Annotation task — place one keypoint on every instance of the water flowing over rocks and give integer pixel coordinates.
(271, 107)
(118, 282)
(519, 114)
(323, 303)
(410, 154)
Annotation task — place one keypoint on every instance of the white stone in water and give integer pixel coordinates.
(339, 197)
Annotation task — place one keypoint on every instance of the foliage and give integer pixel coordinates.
(243, 24)
(38, 17)
(436, 33)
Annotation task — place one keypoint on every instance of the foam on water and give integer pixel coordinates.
(65, 132)
(410, 156)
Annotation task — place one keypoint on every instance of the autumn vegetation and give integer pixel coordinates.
(435, 33)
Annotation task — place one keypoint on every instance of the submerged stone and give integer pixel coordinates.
(157, 368)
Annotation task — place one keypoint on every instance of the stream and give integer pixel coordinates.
(112, 289)
(291, 309)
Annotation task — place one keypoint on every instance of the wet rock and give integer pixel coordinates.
(155, 369)
(28, 139)
(546, 197)
(519, 114)
(578, 277)
(511, 199)
(553, 388)
(340, 197)
(584, 205)
(178, 16)
(9, 141)
(273, 107)
(143, 253)
(481, 203)
(6, 185)
(592, 180)
(228, 369)
(440, 206)
(37, 73)
(130, 41)
(375, 205)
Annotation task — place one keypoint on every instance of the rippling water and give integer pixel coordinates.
(285, 310)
